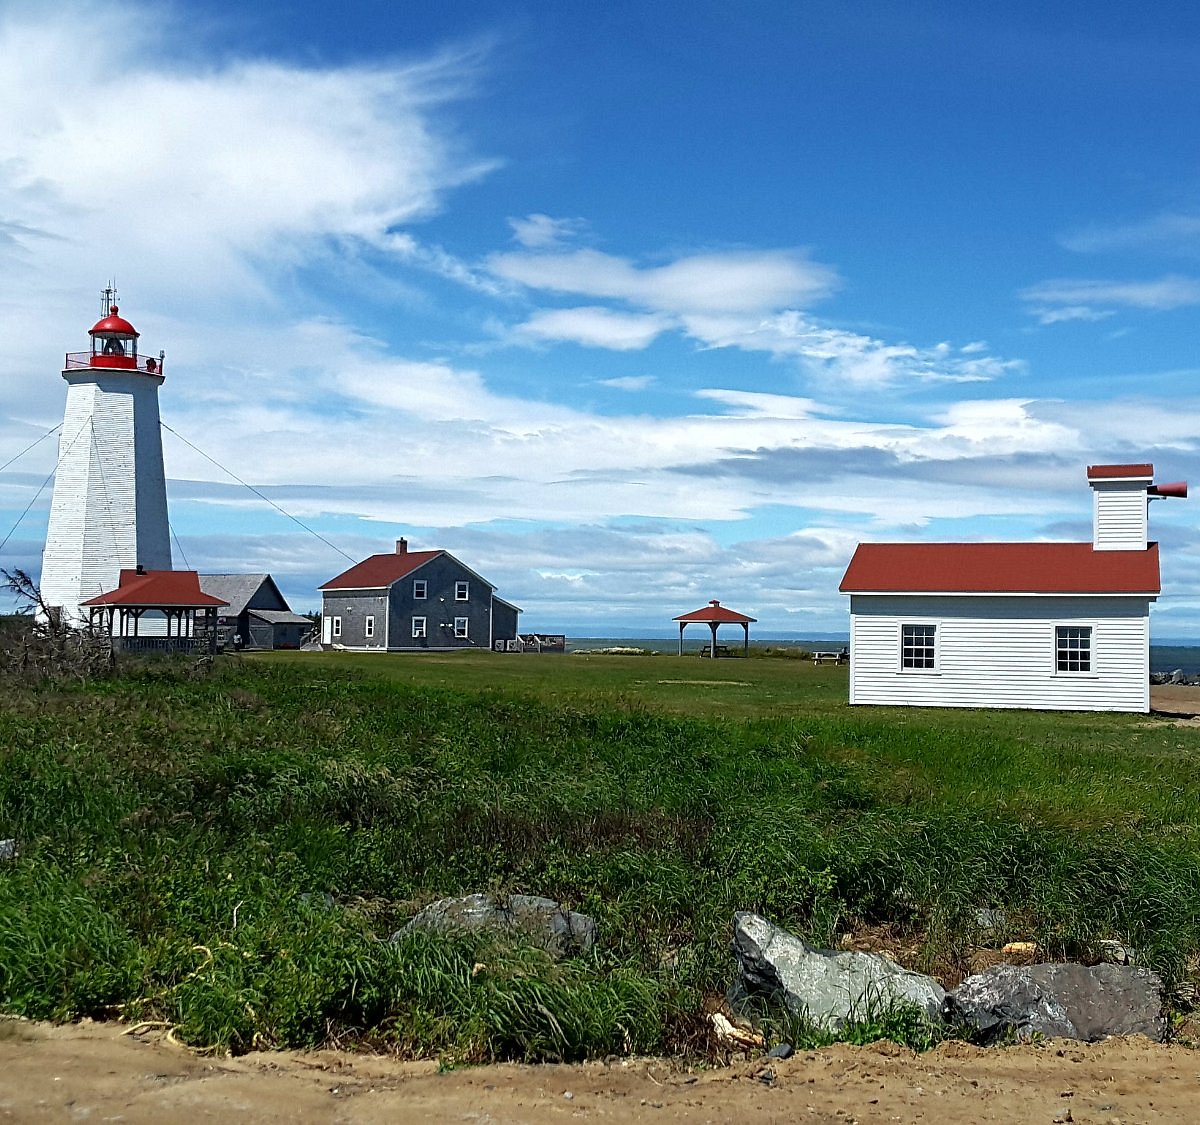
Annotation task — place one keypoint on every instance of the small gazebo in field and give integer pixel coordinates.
(156, 610)
(713, 615)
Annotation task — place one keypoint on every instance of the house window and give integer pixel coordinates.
(420, 589)
(917, 646)
(418, 626)
(460, 626)
(337, 626)
(369, 625)
(1073, 648)
(462, 592)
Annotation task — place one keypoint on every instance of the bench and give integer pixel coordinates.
(842, 657)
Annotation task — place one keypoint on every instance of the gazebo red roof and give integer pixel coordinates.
(158, 589)
(715, 611)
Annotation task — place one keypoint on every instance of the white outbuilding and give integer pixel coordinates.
(1059, 626)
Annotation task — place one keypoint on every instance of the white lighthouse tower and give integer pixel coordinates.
(109, 510)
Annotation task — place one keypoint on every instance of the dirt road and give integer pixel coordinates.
(95, 1072)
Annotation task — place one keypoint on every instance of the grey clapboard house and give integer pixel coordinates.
(414, 601)
(257, 616)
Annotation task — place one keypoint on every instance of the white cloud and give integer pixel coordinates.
(1173, 231)
(735, 281)
(541, 232)
(629, 382)
(1089, 299)
(166, 170)
(595, 327)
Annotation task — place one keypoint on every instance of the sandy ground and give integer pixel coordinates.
(96, 1072)
(1179, 700)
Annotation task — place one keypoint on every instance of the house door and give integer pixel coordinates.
(326, 630)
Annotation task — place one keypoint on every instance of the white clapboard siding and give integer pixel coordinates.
(1120, 517)
(109, 510)
(999, 652)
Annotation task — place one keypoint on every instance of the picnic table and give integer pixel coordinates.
(840, 657)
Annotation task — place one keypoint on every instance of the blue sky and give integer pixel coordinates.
(628, 305)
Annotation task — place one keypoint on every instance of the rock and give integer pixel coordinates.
(542, 919)
(9, 849)
(1179, 676)
(1025, 950)
(1072, 1001)
(828, 988)
(1116, 952)
(987, 918)
(781, 1051)
(317, 900)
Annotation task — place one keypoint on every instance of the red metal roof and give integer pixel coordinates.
(999, 568)
(715, 611)
(1107, 472)
(380, 570)
(113, 323)
(159, 589)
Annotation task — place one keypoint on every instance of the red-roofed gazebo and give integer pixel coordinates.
(157, 609)
(714, 615)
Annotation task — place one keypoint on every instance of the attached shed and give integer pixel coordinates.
(413, 601)
(1059, 626)
(258, 615)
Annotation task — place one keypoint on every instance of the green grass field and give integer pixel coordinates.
(228, 850)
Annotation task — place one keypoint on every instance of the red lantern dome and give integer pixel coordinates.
(114, 344)
(113, 325)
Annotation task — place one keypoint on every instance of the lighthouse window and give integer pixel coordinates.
(114, 347)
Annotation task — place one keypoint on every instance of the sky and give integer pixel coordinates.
(627, 305)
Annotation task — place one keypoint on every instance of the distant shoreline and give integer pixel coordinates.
(1163, 657)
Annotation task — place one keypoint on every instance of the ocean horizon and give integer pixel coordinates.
(1166, 657)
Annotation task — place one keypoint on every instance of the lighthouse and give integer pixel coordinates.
(109, 511)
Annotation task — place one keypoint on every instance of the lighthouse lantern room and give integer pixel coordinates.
(109, 511)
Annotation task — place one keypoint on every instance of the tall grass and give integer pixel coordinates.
(231, 854)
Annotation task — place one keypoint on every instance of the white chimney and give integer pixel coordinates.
(1120, 500)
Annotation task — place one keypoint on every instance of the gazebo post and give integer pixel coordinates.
(712, 652)
(682, 626)
(746, 645)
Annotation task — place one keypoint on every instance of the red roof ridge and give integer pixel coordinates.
(380, 570)
(1000, 568)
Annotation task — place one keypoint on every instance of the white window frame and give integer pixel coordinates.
(420, 589)
(337, 627)
(369, 625)
(419, 628)
(1087, 627)
(920, 670)
(462, 591)
(461, 625)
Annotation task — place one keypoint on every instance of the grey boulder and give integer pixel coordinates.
(828, 988)
(1067, 1000)
(541, 920)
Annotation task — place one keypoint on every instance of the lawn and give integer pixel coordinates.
(229, 849)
